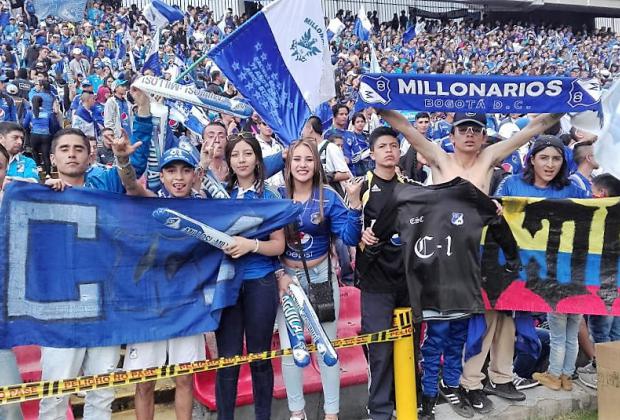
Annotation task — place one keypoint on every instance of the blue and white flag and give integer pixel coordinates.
(66, 10)
(280, 61)
(334, 28)
(607, 148)
(362, 27)
(466, 93)
(86, 268)
(152, 61)
(160, 14)
(374, 62)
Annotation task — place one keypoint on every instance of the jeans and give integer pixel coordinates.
(604, 328)
(254, 316)
(9, 375)
(68, 363)
(525, 364)
(292, 374)
(563, 330)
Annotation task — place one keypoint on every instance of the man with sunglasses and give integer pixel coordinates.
(475, 164)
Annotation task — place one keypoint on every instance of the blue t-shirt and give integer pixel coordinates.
(354, 146)
(515, 186)
(582, 182)
(337, 220)
(257, 266)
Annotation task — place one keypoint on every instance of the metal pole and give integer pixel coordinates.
(404, 369)
(190, 68)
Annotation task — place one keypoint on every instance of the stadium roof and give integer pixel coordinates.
(597, 7)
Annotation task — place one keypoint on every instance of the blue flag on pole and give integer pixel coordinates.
(362, 27)
(87, 268)
(71, 10)
(152, 62)
(280, 61)
(491, 94)
(409, 34)
(160, 14)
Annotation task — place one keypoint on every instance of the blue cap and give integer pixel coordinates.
(176, 154)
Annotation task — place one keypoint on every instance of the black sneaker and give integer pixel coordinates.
(427, 410)
(507, 391)
(458, 402)
(523, 383)
(479, 401)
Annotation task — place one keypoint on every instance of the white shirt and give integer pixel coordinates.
(269, 149)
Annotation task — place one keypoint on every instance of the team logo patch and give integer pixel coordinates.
(375, 90)
(124, 116)
(457, 219)
(395, 240)
(585, 92)
(315, 218)
(133, 353)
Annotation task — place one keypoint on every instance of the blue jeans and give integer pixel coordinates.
(254, 316)
(445, 338)
(604, 328)
(525, 364)
(9, 375)
(563, 329)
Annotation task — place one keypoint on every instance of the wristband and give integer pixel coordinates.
(123, 166)
(256, 247)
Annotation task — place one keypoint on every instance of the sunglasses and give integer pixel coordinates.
(242, 135)
(465, 130)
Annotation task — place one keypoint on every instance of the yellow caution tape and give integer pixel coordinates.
(43, 389)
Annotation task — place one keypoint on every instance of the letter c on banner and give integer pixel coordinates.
(84, 218)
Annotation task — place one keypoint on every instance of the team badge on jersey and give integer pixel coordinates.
(124, 116)
(315, 218)
(395, 240)
(457, 219)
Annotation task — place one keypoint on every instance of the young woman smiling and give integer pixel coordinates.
(254, 313)
(324, 214)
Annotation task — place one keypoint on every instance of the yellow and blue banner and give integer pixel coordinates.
(569, 250)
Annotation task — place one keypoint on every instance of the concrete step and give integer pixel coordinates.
(541, 403)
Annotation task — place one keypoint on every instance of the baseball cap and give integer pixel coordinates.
(176, 154)
(86, 83)
(11, 89)
(470, 117)
(117, 83)
(545, 141)
(76, 51)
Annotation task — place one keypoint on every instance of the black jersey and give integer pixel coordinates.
(440, 228)
(379, 269)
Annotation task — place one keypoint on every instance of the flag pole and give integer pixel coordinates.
(190, 68)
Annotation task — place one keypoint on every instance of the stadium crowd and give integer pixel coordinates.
(67, 100)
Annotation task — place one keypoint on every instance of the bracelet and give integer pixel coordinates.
(256, 247)
(279, 273)
(123, 166)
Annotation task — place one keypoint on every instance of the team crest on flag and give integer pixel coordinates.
(375, 90)
(585, 92)
(457, 218)
(306, 46)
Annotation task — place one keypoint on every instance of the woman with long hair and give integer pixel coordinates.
(546, 176)
(40, 124)
(324, 214)
(254, 314)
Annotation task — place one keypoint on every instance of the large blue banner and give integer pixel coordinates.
(71, 10)
(87, 268)
(466, 93)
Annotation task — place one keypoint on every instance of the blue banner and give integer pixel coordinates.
(71, 10)
(491, 94)
(88, 268)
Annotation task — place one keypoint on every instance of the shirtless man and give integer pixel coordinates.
(471, 162)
